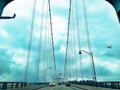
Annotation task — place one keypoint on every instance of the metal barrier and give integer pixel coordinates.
(10, 85)
(112, 84)
(6, 85)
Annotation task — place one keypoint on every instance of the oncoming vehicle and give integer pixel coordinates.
(51, 84)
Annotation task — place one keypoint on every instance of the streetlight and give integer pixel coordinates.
(48, 68)
(91, 55)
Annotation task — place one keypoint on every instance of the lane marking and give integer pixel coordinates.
(51, 88)
(67, 88)
(76, 88)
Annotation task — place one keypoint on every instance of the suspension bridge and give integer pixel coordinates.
(74, 75)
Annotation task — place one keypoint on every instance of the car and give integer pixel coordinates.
(59, 83)
(51, 84)
(67, 84)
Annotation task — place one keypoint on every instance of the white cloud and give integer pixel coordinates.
(59, 28)
(19, 56)
(60, 4)
(59, 24)
(3, 34)
(110, 65)
(95, 6)
(62, 49)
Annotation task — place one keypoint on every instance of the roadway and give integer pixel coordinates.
(60, 87)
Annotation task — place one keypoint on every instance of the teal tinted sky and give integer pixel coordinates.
(104, 30)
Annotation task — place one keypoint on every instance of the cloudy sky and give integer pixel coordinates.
(104, 30)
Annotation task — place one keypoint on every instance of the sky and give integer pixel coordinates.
(104, 30)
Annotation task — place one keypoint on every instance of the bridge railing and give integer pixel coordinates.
(6, 85)
(112, 84)
(9, 85)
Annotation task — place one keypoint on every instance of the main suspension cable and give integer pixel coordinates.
(68, 29)
(52, 37)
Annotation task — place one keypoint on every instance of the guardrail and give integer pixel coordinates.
(10, 85)
(112, 84)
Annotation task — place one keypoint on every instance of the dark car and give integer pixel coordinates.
(59, 83)
(67, 84)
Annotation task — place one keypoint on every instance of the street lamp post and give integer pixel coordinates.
(48, 68)
(93, 65)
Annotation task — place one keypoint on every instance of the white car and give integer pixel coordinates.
(52, 84)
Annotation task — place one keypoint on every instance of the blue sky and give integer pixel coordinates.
(104, 30)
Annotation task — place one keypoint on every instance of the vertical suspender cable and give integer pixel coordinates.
(75, 27)
(72, 40)
(87, 29)
(52, 37)
(78, 37)
(88, 39)
(86, 25)
(40, 35)
(30, 42)
(69, 58)
(68, 29)
(45, 48)
(74, 43)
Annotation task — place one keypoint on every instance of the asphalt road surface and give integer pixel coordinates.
(60, 87)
